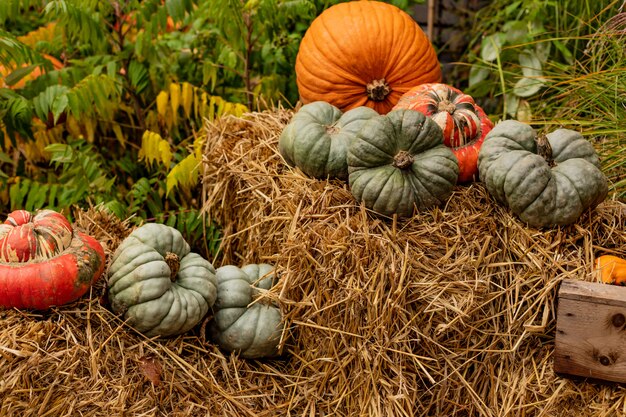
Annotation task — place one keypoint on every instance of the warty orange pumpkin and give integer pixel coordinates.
(364, 53)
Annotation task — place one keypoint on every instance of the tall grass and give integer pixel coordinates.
(591, 96)
(585, 89)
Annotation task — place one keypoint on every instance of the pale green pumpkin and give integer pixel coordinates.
(398, 163)
(154, 299)
(252, 330)
(317, 138)
(549, 190)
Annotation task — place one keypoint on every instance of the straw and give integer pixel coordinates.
(448, 313)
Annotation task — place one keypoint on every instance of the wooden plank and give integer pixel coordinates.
(593, 292)
(591, 331)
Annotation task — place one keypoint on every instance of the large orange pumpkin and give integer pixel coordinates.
(364, 53)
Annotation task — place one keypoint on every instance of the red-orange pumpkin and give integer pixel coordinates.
(44, 262)
(364, 53)
(463, 122)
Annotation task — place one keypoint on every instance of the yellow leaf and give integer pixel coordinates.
(165, 153)
(187, 96)
(198, 145)
(175, 96)
(42, 34)
(212, 103)
(119, 135)
(154, 149)
(174, 100)
(161, 102)
(184, 174)
(90, 127)
(240, 109)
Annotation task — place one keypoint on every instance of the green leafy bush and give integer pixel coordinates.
(103, 102)
(556, 64)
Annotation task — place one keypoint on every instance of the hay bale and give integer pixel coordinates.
(450, 312)
(81, 359)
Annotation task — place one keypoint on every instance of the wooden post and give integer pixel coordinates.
(430, 28)
(591, 330)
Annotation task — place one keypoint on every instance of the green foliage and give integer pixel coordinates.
(119, 121)
(522, 42)
(557, 64)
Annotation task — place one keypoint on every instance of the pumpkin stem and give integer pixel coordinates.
(332, 129)
(445, 105)
(544, 149)
(378, 90)
(403, 159)
(173, 261)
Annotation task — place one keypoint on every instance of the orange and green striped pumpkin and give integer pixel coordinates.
(463, 122)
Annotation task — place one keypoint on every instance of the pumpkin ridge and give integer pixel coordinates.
(411, 34)
(258, 328)
(138, 292)
(253, 310)
(420, 185)
(444, 158)
(416, 185)
(166, 320)
(387, 193)
(155, 316)
(91, 260)
(135, 275)
(178, 318)
(386, 152)
(379, 189)
(557, 173)
(232, 313)
(563, 170)
(123, 267)
(326, 51)
(511, 183)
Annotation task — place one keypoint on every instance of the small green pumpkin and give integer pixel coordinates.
(160, 287)
(316, 140)
(545, 180)
(398, 162)
(252, 330)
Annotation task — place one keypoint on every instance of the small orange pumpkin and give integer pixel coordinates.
(611, 269)
(364, 53)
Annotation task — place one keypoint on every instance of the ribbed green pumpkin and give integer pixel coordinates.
(398, 162)
(317, 138)
(541, 193)
(254, 331)
(142, 288)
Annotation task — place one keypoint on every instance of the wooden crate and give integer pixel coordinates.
(591, 331)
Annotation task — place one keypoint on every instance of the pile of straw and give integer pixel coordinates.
(449, 313)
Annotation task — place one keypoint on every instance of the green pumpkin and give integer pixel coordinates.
(154, 299)
(398, 162)
(549, 190)
(252, 330)
(316, 140)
